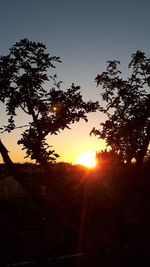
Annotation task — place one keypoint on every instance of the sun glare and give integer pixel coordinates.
(87, 159)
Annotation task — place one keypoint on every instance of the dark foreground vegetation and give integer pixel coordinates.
(94, 218)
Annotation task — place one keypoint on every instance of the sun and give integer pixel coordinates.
(87, 159)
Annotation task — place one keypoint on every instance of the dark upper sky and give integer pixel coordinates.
(84, 33)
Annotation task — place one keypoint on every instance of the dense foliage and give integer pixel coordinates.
(23, 74)
(127, 129)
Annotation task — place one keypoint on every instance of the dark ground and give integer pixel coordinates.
(100, 218)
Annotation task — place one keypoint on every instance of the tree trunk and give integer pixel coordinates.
(17, 174)
(5, 156)
(49, 209)
(129, 158)
(57, 209)
(139, 160)
(141, 154)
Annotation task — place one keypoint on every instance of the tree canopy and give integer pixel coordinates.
(23, 74)
(127, 106)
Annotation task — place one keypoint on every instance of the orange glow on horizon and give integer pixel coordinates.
(87, 159)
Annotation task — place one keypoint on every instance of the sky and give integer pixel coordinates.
(85, 34)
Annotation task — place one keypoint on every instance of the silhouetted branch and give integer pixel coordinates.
(16, 127)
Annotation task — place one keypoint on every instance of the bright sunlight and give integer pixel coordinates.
(87, 159)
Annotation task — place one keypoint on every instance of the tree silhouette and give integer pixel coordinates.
(127, 129)
(106, 158)
(23, 74)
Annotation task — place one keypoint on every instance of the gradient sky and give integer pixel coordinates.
(85, 34)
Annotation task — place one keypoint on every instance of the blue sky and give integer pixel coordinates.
(85, 34)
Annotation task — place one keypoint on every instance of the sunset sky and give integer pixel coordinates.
(85, 34)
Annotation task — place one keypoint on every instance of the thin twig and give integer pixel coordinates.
(17, 127)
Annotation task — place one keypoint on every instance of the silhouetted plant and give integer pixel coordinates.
(127, 129)
(108, 157)
(23, 73)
